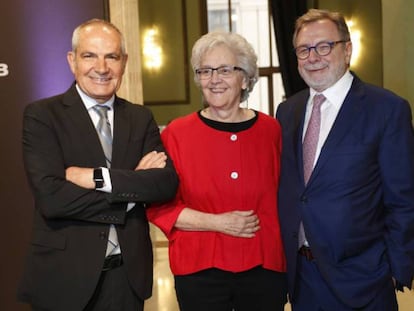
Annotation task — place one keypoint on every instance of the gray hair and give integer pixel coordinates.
(77, 31)
(242, 49)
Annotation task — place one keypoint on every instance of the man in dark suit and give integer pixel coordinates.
(91, 248)
(346, 198)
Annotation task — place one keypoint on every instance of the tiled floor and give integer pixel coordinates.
(163, 298)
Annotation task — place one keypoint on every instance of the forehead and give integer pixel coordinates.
(314, 32)
(219, 55)
(99, 37)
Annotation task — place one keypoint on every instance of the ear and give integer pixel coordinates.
(125, 59)
(245, 83)
(70, 56)
(348, 52)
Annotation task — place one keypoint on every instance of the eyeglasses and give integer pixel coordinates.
(322, 49)
(222, 71)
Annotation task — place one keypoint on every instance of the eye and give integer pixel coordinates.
(302, 50)
(323, 47)
(203, 71)
(113, 57)
(225, 70)
(87, 55)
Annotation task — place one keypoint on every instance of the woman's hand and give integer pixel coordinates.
(243, 224)
(238, 223)
(152, 159)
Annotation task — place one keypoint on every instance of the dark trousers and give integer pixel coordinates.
(313, 294)
(257, 289)
(113, 293)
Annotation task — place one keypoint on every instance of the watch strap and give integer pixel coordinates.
(98, 178)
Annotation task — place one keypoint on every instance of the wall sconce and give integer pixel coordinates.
(356, 42)
(152, 49)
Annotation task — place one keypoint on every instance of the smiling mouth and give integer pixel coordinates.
(101, 79)
(217, 90)
(315, 68)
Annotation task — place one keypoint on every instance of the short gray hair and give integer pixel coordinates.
(77, 31)
(242, 49)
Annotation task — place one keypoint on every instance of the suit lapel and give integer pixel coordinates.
(299, 109)
(121, 132)
(83, 126)
(349, 111)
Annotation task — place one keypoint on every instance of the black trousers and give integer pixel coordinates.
(113, 293)
(257, 289)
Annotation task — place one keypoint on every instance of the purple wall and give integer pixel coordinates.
(35, 37)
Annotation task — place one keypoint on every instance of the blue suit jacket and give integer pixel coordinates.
(358, 206)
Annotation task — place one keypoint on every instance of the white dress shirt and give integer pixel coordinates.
(335, 96)
(89, 104)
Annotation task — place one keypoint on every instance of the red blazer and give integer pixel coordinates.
(222, 171)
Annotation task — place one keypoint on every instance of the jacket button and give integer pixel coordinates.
(102, 235)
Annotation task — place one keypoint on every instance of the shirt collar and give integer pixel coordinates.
(336, 93)
(89, 102)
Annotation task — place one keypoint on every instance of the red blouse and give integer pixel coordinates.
(221, 171)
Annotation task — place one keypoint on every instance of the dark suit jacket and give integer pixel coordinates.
(71, 223)
(358, 206)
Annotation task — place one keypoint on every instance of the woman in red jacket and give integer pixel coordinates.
(225, 247)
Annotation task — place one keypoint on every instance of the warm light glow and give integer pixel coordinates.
(152, 49)
(356, 42)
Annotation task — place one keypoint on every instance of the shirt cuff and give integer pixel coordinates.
(108, 186)
(107, 181)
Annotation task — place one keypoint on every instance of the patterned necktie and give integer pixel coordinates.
(310, 142)
(104, 132)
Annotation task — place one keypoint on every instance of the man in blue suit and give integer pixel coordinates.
(346, 199)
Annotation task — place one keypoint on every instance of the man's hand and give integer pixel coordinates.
(153, 159)
(81, 176)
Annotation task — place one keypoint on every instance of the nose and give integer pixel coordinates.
(101, 65)
(313, 55)
(215, 76)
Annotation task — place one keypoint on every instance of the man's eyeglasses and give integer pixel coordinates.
(222, 71)
(322, 49)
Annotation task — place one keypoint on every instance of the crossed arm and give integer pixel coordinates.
(235, 223)
(83, 176)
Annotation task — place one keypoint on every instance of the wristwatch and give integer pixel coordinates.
(98, 178)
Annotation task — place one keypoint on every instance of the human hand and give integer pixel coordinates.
(238, 223)
(81, 176)
(152, 159)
